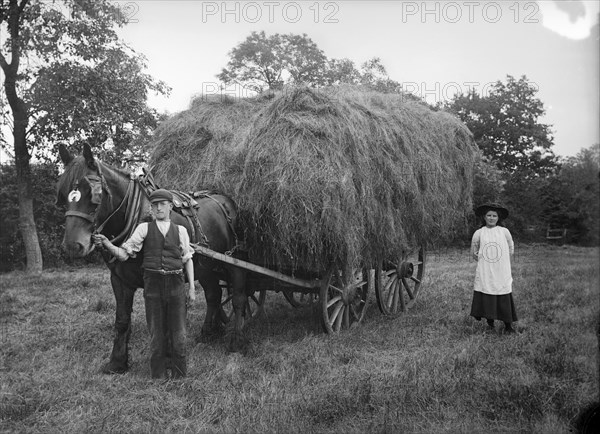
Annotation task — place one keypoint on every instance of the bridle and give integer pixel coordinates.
(132, 201)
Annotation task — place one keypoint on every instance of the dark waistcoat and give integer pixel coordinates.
(162, 252)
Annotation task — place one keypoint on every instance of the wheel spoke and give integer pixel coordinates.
(346, 317)
(408, 290)
(357, 285)
(414, 279)
(402, 303)
(394, 303)
(336, 310)
(391, 290)
(335, 288)
(334, 300)
(390, 282)
(339, 316)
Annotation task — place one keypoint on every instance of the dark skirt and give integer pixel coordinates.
(500, 307)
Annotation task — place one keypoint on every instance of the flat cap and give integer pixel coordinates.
(160, 195)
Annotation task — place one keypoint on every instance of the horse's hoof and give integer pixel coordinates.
(112, 368)
(206, 337)
(237, 344)
(210, 334)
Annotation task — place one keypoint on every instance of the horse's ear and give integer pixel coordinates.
(87, 154)
(64, 153)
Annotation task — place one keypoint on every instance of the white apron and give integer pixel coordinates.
(494, 247)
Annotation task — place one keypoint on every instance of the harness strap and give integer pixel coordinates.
(83, 215)
(201, 233)
(125, 199)
(229, 223)
(134, 205)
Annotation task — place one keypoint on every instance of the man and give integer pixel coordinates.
(167, 251)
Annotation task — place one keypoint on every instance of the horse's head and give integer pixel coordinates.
(81, 188)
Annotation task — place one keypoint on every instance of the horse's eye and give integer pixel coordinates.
(74, 196)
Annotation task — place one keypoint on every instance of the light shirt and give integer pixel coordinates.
(135, 243)
(493, 247)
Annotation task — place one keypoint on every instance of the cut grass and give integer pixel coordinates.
(433, 369)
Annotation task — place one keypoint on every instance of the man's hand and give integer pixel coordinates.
(192, 293)
(99, 239)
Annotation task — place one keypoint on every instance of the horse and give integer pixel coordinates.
(100, 198)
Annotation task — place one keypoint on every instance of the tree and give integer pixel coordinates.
(49, 218)
(375, 76)
(571, 197)
(260, 62)
(506, 126)
(341, 71)
(60, 44)
(488, 182)
(104, 104)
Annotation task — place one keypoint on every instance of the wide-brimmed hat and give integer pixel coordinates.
(493, 206)
(160, 195)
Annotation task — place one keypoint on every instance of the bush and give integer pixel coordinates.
(49, 218)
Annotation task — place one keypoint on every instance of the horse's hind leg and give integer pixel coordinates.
(119, 358)
(238, 342)
(213, 326)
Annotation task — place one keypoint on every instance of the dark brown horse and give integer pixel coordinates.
(102, 199)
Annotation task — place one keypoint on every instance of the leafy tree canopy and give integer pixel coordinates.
(506, 126)
(76, 79)
(264, 62)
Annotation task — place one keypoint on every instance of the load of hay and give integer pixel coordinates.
(340, 175)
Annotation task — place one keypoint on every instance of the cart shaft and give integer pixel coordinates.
(221, 257)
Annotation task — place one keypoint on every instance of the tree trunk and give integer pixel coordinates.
(25, 191)
(12, 15)
(23, 169)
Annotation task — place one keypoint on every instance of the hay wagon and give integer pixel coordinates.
(338, 189)
(343, 294)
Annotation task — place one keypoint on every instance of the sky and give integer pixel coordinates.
(434, 49)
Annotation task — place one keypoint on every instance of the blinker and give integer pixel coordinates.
(74, 196)
(96, 188)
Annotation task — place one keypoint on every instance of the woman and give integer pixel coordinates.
(492, 245)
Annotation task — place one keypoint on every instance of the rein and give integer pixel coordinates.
(133, 203)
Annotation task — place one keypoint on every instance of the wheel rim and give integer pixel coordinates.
(397, 286)
(344, 299)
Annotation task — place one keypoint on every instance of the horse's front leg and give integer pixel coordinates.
(238, 342)
(119, 358)
(213, 325)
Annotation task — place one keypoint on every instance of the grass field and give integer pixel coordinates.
(431, 370)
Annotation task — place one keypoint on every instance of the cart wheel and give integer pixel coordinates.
(300, 299)
(344, 298)
(397, 285)
(254, 304)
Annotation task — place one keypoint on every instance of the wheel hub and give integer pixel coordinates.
(348, 294)
(406, 269)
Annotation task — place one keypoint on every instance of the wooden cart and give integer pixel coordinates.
(342, 293)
